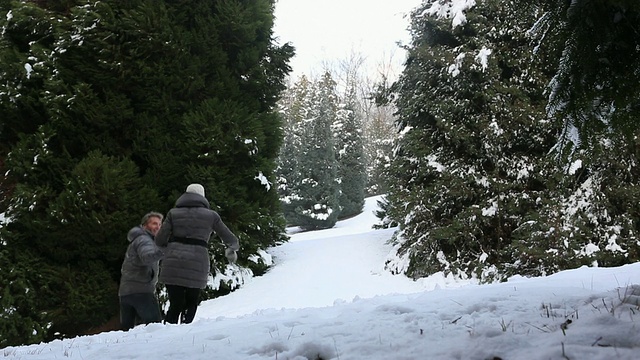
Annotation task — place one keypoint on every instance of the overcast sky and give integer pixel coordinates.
(327, 31)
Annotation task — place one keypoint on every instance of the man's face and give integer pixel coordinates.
(153, 225)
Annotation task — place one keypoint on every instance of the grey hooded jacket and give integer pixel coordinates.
(139, 272)
(186, 263)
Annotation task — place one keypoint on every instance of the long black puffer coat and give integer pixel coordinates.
(184, 235)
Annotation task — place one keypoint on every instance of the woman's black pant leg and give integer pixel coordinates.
(192, 300)
(177, 301)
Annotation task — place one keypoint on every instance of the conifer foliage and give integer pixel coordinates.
(517, 154)
(593, 95)
(110, 109)
(349, 143)
(595, 88)
(312, 185)
(321, 166)
(469, 168)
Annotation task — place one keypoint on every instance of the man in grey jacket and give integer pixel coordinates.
(184, 236)
(140, 274)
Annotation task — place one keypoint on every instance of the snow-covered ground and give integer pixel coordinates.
(328, 297)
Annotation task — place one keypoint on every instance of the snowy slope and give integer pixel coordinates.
(327, 297)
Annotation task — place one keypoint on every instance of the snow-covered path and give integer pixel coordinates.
(347, 265)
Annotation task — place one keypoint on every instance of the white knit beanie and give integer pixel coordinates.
(196, 189)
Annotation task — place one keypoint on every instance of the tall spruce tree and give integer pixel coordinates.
(313, 201)
(379, 135)
(295, 108)
(349, 143)
(319, 188)
(109, 110)
(470, 167)
(592, 96)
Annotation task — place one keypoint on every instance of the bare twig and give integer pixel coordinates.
(539, 328)
(564, 326)
(596, 342)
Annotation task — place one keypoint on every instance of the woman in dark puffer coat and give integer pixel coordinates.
(184, 236)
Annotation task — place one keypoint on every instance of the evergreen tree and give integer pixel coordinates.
(361, 94)
(19, 323)
(315, 201)
(109, 110)
(295, 107)
(595, 86)
(380, 136)
(591, 95)
(470, 166)
(592, 220)
(350, 156)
